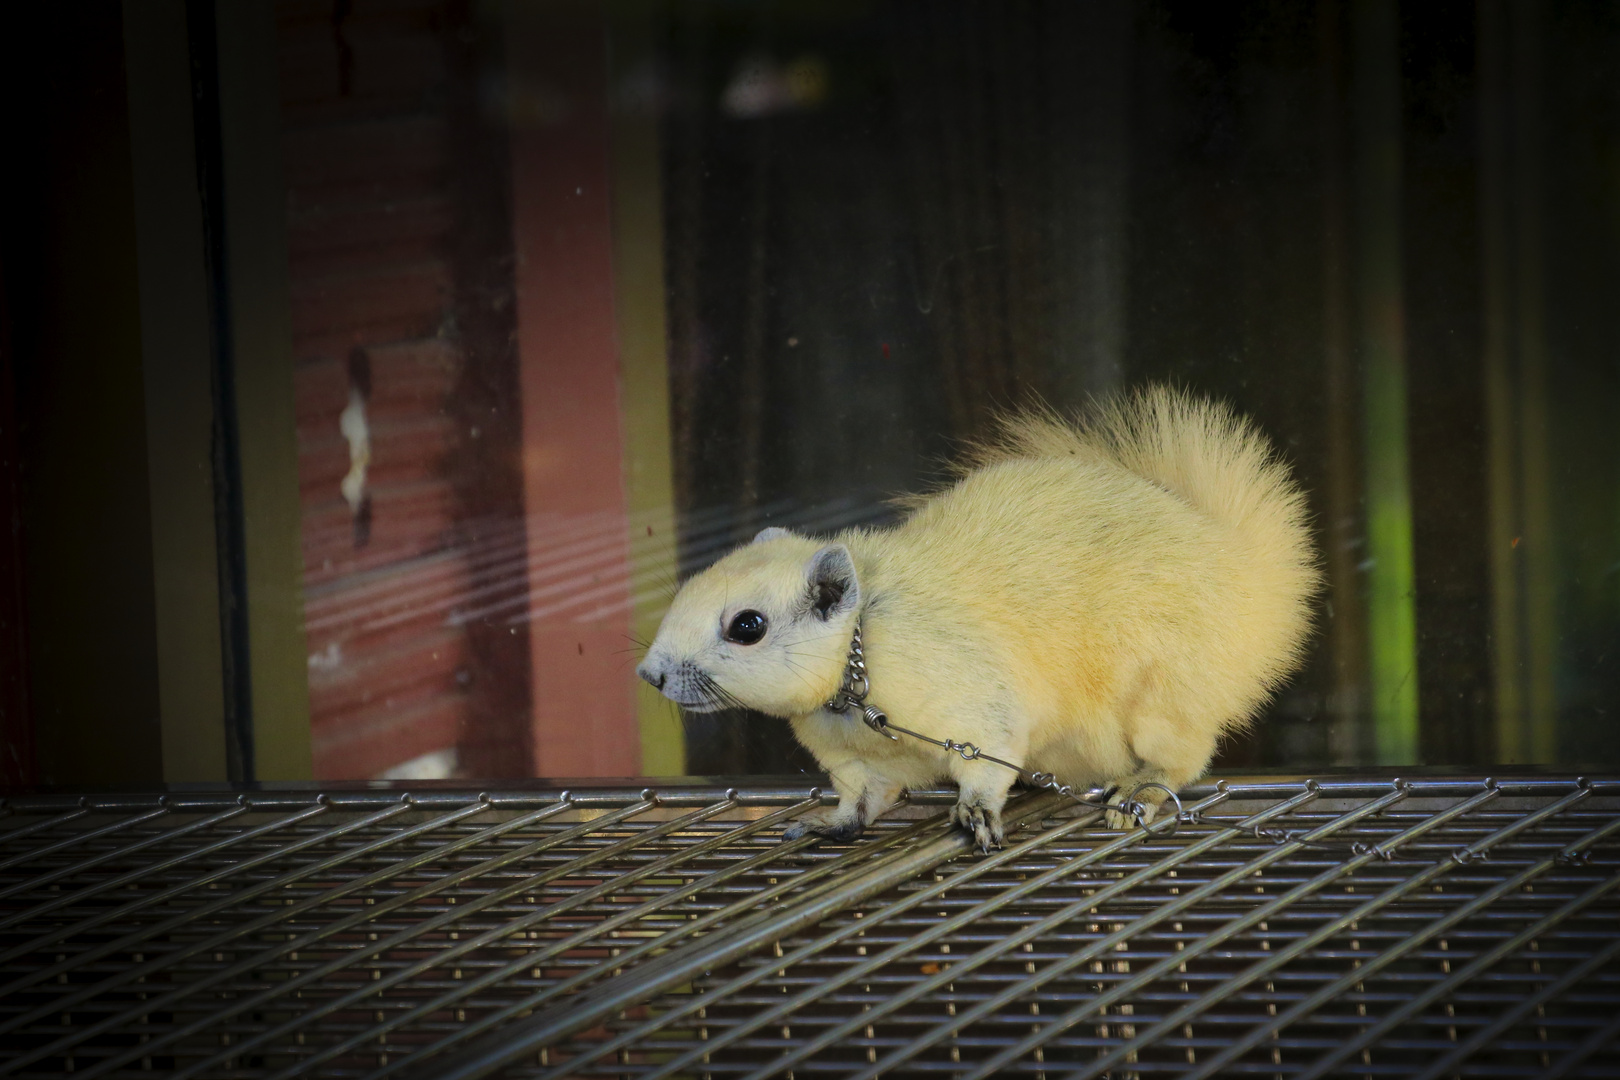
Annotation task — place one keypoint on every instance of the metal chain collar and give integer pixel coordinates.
(857, 684)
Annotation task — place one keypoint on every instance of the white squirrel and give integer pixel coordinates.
(1098, 600)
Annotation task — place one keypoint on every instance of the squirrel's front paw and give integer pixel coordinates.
(982, 821)
(825, 823)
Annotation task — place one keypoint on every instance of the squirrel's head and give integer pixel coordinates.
(767, 627)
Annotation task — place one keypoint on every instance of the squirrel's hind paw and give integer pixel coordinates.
(1114, 819)
(1134, 793)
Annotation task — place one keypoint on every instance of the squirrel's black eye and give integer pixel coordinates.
(746, 628)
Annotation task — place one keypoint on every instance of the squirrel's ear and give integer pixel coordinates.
(831, 576)
(770, 533)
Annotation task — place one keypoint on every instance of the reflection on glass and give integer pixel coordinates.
(607, 290)
(466, 330)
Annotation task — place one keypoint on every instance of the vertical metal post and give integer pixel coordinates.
(238, 125)
(226, 465)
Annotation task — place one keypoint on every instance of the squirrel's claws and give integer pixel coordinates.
(984, 824)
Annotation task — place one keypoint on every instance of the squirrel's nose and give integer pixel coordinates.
(655, 679)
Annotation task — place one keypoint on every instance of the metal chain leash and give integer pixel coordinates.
(857, 684)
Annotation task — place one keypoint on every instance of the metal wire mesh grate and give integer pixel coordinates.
(1442, 927)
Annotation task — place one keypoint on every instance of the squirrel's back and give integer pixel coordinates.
(1159, 539)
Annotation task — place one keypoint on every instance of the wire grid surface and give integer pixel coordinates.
(1440, 927)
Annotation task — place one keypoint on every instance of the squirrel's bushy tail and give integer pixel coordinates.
(1199, 449)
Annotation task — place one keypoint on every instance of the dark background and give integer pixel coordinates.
(1003, 200)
